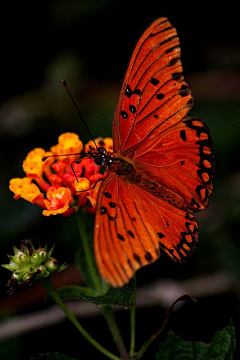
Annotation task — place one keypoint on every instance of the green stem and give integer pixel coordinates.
(146, 345)
(132, 324)
(54, 294)
(185, 297)
(143, 348)
(88, 253)
(108, 313)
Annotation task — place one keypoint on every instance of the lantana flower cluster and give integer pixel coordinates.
(29, 264)
(52, 184)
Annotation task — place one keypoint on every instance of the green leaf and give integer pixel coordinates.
(114, 296)
(175, 348)
(223, 344)
(221, 348)
(52, 356)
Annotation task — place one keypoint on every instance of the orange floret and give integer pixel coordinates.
(68, 143)
(32, 165)
(58, 201)
(24, 188)
(82, 184)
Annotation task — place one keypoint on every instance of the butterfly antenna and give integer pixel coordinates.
(64, 83)
(58, 155)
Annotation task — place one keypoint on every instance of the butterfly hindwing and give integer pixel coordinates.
(132, 226)
(181, 159)
(176, 230)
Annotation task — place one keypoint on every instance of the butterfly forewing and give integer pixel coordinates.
(154, 95)
(124, 241)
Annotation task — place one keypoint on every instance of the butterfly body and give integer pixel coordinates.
(161, 169)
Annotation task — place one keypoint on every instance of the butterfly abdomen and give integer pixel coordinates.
(158, 190)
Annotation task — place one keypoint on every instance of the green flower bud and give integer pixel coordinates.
(42, 271)
(43, 254)
(30, 269)
(52, 265)
(18, 275)
(20, 257)
(36, 259)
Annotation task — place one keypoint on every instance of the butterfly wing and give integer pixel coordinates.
(132, 225)
(154, 95)
(181, 159)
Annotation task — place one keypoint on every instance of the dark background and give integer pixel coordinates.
(89, 43)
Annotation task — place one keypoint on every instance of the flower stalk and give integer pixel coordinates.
(132, 324)
(55, 296)
(88, 254)
(107, 310)
(109, 316)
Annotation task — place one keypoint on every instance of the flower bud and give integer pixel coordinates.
(43, 254)
(20, 257)
(36, 259)
(42, 271)
(52, 265)
(18, 275)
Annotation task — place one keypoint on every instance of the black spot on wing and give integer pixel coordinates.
(137, 92)
(185, 90)
(132, 108)
(154, 81)
(120, 237)
(160, 96)
(103, 210)
(112, 204)
(124, 114)
(183, 135)
(176, 76)
(131, 234)
(137, 258)
(148, 256)
(128, 91)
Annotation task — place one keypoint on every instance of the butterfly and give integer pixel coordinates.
(161, 168)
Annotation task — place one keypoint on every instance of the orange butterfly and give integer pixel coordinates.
(161, 168)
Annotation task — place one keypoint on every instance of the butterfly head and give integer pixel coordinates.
(101, 156)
